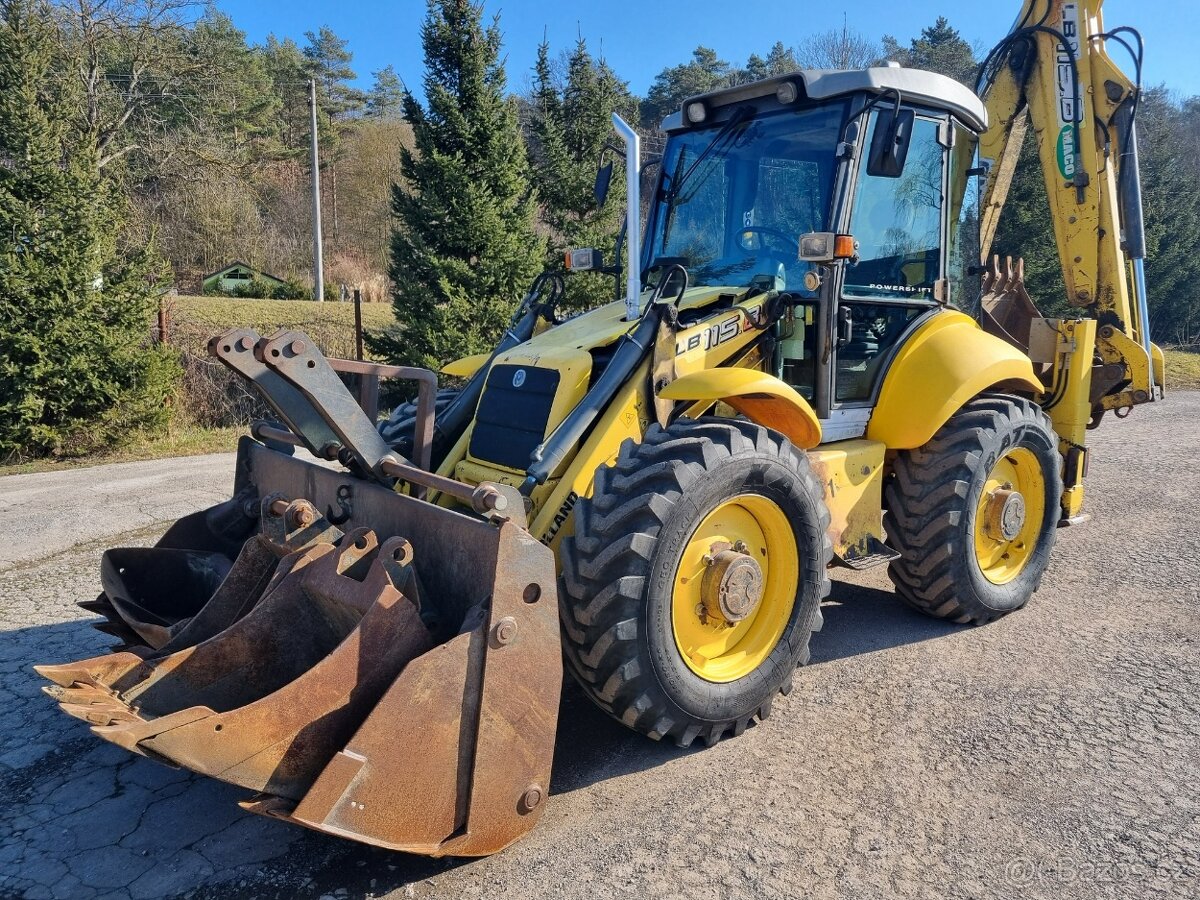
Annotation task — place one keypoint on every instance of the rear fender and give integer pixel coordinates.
(760, 397)
(947, 361)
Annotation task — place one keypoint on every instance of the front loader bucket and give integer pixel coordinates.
(167, 597)
(132, 578)
(398, 687)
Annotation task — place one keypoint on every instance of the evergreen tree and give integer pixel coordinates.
(704, 72)
(1167, 134)
(940, 48)
(569, 127)
(1026, 230)
(328, 62)
(464, 247)
(286, 67)
(385, 99)
(74, 369)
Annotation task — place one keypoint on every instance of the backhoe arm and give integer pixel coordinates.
(1053, 71)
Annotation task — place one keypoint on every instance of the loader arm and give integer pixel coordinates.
(1053, 71)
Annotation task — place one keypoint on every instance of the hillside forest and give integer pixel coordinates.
(445, 188)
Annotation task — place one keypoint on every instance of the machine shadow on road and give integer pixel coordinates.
(862, 619)
(92, 807)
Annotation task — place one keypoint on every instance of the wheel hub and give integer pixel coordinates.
(733, 584)
(1005, 514)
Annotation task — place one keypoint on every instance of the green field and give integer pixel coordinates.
(261, 314)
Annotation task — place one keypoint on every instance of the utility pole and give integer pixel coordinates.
(318, 262)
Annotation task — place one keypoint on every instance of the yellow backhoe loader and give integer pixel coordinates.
(654, 491)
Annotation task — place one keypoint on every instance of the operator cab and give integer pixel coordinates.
(881, 155)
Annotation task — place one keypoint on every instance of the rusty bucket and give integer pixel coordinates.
(396, 685)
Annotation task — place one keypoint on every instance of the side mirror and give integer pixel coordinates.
(889, 143)
(603, 180)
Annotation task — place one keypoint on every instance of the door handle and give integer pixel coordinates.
(845, 326)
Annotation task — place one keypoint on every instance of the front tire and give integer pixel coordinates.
(660, 623)
(974, 511)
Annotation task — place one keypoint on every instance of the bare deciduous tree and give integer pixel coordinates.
(838, 48)
(136, 65)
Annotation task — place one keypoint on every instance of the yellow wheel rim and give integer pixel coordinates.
(1009, 517)
(715, 649)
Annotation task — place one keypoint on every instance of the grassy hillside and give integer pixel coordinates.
(1183, 370)
(331, 325)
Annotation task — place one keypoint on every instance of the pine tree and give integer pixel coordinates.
(75, 371)
(940, 48)
(464, 247)
(569, 127)
(385, 99)
(704, 72)
(328, 62)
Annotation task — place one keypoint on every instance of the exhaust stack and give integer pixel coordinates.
(633, 216)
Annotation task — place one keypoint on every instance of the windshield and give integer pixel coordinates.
(735, 201)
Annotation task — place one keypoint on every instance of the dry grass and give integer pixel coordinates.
(1183, 369)
(178, 440)
(267, 315)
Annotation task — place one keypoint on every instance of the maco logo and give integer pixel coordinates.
(518, 378)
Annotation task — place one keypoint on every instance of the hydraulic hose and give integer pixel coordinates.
(631, 350)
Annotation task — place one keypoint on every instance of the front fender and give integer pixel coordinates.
(760, 397)
(946, 362)
(466, 366)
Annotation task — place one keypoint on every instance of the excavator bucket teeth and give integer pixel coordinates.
(1007, 310)
(397, 683)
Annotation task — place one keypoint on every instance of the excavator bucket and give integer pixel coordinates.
(1007, 310)
(394, 679)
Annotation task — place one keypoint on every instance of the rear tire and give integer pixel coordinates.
(624, 611)
(941, 515)
(399, 428)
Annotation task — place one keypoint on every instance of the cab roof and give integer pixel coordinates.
(915, 85)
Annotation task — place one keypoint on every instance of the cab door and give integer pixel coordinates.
(900, 224)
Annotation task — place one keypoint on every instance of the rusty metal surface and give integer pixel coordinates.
(295, 358)
(455, 759)
(152, 589)
(332, 696)
(235, 349)
(242, 587)
(427, 388)
(266, 704)
(1007, 310)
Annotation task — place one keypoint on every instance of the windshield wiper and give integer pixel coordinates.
(740, 117)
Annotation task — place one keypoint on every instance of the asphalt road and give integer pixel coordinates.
(1053, 754)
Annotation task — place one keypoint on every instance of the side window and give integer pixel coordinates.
(898, 223)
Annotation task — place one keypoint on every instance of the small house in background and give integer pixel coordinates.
(235, 275)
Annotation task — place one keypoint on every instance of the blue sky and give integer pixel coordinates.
(641, 38)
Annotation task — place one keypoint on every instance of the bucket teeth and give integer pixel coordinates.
(269, 805)
(100, 606)
(314, 681)
(101, 671)
(99, 713)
